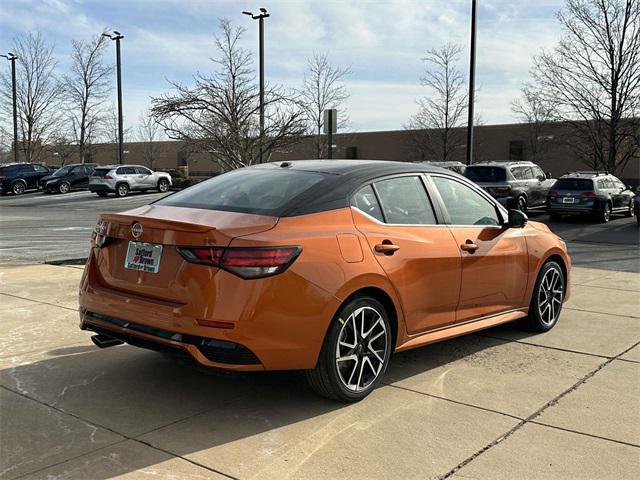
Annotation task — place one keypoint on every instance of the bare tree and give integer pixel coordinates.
(219, 113)
(593, 77)
(63, 148)
(109, 129)
(148, 135)
(538, 113)
(440, 114)
(323, 88)
(38, 94)
(86, 90)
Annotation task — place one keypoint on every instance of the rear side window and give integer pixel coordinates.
(486, 174)
(522, 173)
(404, 201)
(40, 169)
(259, 191)
(574, 184)
(125, 171)
(366, 201)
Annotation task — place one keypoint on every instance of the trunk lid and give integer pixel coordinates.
(170, 227)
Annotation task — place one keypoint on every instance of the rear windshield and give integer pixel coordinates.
(485, 174)
(258, 191)
(100, 172)
(573, 184)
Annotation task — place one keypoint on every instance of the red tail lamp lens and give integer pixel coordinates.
(244, 262)
(588, 194)
(553, 193)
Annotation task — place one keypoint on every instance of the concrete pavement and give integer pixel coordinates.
(499, 404)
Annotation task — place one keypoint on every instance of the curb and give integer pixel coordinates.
(69, 261)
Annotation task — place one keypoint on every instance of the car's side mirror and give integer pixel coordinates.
(542, 178)
(517, 219)
(547, 175)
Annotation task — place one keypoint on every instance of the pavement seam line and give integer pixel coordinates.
(599, 437)
(601, 313)
(567, 350)
(38, 301)
(457, 402)
(534, 415)
(124, 436)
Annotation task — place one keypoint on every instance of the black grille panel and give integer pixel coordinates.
(220, 351)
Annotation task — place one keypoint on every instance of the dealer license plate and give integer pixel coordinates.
(144, 257)
(568, 200)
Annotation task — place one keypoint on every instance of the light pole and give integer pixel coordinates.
(117, 36)
(260, 17)
(12, 57)
(472, 81)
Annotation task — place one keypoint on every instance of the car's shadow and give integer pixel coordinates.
(138, 393)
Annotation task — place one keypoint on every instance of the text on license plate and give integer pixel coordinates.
(143, 256)
(568, 200)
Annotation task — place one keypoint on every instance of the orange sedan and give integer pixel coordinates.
(322, 266)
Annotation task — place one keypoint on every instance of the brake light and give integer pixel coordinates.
(247, 262)
(502, 190)
(588, 194)
(553, 193)
(107, 177)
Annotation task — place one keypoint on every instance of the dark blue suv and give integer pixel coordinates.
(19, 177)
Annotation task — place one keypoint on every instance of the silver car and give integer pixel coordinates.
(121, 179)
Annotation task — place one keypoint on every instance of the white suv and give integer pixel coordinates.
(121, 179)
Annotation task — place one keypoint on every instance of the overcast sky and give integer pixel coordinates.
(382, 41)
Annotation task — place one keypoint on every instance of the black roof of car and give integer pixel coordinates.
(343, 177)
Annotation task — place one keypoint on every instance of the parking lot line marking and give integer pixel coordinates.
(537, 413)
(603, 313)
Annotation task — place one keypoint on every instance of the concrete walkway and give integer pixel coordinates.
(502, 404)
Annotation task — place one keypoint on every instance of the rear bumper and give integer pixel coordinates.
(573, 209)
(266, 331)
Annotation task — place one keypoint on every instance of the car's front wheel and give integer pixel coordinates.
(122, 190)
(355, 353)
(630, 212)
(605, 214)
(547, 298)
(163, 185)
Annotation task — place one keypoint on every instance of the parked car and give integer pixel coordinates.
(322, 266)
(17, 178)
(598, 194)
(457, 167)
(121, 179)
(70, 177)
(636, 206)
(521, 185)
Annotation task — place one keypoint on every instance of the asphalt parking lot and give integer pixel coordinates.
(502, 404)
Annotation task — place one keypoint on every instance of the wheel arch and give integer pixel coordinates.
(21, 180)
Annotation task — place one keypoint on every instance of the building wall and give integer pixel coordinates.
(492, 142)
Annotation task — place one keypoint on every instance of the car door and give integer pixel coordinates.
(542, 185)
(418, 255)
(28, 174)
(128, 175)
(494, 258)
(40, 172)
(144, 177)
(619, 193)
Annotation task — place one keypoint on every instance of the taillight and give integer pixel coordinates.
(107, 177)
(502, 190)
(258, 262)
(99, 234)
(553, 193)
(588, 194)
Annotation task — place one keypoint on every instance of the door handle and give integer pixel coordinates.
(386, 247)
(469, 246)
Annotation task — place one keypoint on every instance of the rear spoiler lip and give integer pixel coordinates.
(153, 222)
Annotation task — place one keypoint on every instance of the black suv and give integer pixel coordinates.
(599, 194)
(67, 178)
(20, 177)
(520, 185)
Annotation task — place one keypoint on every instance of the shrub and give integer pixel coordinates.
(183, 182)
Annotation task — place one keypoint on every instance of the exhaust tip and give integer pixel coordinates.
(103, 341)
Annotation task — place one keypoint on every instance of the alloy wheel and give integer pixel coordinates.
(522, 204)
(550, 295)
(164, 186)
(18, 188)
(606, 214)
(361, 349)
(123, 190)
(64, 187)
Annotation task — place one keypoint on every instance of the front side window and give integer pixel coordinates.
(465, 205)
(40, 169)
(142, 171)
(404, 201)
(365, 200)
(538, 173)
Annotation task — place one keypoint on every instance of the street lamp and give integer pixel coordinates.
(117, 36)
(472, 82)
(12, 57)
(260, 17)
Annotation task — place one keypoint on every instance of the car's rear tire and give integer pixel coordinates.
(522, 204)
(18, 187)
(547, 298)
(64, 187)
(355, 352)
(122, 190)
(630, 212)
(605, 215)
(163, 185)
